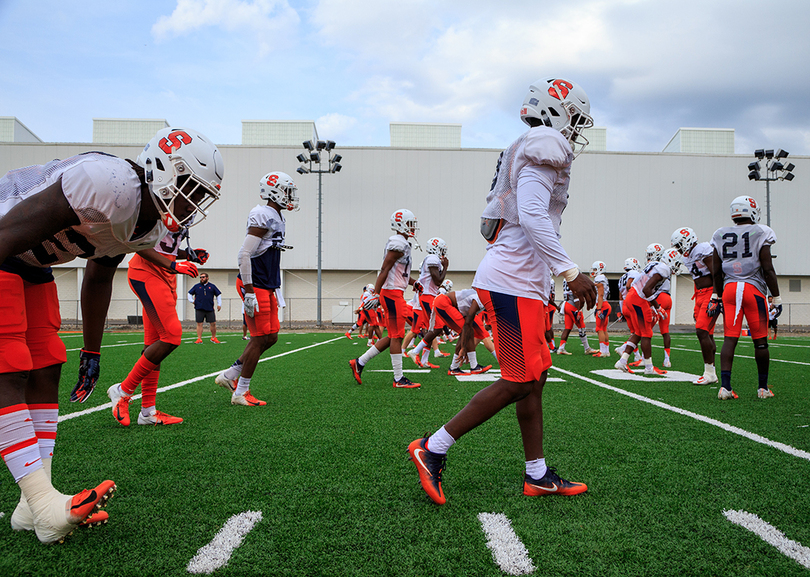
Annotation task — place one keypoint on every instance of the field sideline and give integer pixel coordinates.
(318, 481)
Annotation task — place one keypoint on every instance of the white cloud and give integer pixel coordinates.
(334, 126)
(270, 21)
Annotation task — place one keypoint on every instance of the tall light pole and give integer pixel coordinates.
(775, 169)
(317, 155)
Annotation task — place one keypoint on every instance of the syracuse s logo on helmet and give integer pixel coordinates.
(559, 89)
(174, 141)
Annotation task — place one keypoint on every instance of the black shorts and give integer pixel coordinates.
(205, 316)
(773, 323)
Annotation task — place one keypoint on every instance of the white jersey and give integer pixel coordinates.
(568, 294)
(529, 193)
(602, 280)
(649, 271)
(400, 273)
(694, 262)
(631, 275)
(738, 247)
(464, 300)
(265, 263)
(103, 191)
(425, 279)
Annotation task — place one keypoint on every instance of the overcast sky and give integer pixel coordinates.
(649, 67)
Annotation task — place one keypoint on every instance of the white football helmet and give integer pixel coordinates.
(561, 105)
(598, 267)
(672, 258)
(684, 239)
(404, 221)
(278, 187)
(447, 285)
(654, 252)
(436, 246)
(744, 207)
(631, 264)
(182, 162)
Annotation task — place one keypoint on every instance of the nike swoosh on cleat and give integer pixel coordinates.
(416, 455)
(28, 420)
(549, 490)
(90, 498)
(51, 422)
(31, 463)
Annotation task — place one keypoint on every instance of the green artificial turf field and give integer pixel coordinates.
(325, 465)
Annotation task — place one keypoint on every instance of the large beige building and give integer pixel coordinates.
(619, 203)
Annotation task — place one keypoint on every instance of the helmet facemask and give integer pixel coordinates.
(185, 184)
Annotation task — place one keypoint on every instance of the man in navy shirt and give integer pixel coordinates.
(202, 296)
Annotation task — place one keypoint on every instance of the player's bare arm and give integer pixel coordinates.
(717, 273)
(35, 219)
(649, 288)
(584, 289)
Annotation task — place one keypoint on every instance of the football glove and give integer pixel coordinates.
(89, 370)
(715, 307)
(198, 255)
(602, 315)
(662, 314)
(417, 286)
(372, 303)
(251, 304)
(188, 268)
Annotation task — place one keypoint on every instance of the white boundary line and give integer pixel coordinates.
(106, 406)
(736, 355)
(508, 551)
(218, 552)
(771, 535)
(731, 429)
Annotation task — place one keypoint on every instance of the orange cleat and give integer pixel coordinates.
(430, 467)
(551, 484)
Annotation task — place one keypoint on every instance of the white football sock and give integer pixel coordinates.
(440, 441)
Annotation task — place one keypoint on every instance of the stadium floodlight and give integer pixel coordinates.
(319, 164)
(774, 170)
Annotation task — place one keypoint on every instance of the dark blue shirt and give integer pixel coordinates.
(204, 295)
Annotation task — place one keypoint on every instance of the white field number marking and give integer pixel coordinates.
(770, 535)
(218, 552)
(509, 553)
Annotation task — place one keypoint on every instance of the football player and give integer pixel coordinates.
(98, 207)
(697, 258)
(632, 270)
(641, 308)
(394, 278)
(259, 281)
(521, 222)
(743, 271)
(572, 311)
(654, 253)
(603, 308)
(431, 276)
(773, 319)
(459, 310)
(152, 277)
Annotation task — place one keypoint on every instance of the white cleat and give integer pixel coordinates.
(562, 352)
(667, 364)
(223, 382)
(705, 380)
(622, 366)
(725, 394)
(764, 393)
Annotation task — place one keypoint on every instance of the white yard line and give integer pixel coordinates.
(218, 552)
(771, 535)
(108, 406)
(736, 355)
(508, 551)
(731, 429)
